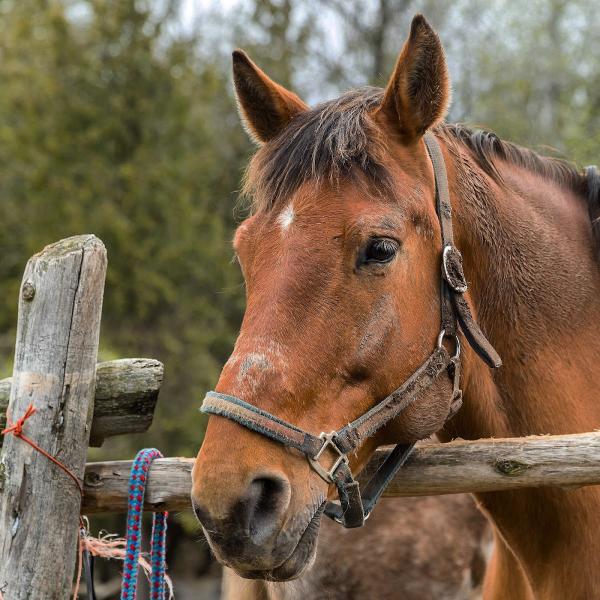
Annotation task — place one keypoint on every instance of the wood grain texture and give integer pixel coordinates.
(4, 397)
(433, 469)
(54, 369)
(126, 395)
(168, 487)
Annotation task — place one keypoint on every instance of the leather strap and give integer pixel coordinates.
(473, 333)
(350, 511)
(454, 283)
(343, 441)
(444, 212)
(349, 437)
(384, 475)
(261, 421)
(353, 435)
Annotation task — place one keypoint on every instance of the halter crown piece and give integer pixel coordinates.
(354, 507)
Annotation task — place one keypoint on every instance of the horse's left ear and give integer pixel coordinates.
(418, 94)
(265, 106)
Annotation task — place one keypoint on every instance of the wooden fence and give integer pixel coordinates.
(81, 403)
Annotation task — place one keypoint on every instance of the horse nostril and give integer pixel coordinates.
(265, 500)
(254, 515)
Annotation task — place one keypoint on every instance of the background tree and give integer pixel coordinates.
(109, 126)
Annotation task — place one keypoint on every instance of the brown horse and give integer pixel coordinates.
(341, 258)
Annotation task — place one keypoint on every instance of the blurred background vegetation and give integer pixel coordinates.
(117, 117)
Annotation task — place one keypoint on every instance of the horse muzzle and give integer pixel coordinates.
(252, 541)
(254, 519)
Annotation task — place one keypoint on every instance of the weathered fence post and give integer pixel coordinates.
(55, 359)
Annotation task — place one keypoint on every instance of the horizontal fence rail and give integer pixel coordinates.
(433, 469)
(124, 400)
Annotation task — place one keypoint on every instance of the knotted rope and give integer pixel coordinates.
(16, 429)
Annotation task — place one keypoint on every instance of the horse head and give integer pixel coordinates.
(341, 259)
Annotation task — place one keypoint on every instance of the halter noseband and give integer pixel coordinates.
(354, 507)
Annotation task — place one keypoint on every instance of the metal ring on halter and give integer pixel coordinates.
(440, 341)
(455, 278)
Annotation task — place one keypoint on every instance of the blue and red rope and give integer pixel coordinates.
(137, 488)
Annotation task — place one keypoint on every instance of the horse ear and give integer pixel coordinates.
(418, 94)
(265, 106)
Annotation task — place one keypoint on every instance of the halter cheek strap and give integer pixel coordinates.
(454, 283)
(354, 508)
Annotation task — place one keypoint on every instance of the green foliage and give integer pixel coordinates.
(106, 126)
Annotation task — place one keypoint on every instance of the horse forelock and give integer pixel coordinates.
(334, 140)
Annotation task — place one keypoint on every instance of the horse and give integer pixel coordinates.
(403, 553)
(341, 259)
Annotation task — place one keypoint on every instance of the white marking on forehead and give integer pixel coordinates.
(286, 218)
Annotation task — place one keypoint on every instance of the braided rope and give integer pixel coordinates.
(157, 554)
(137, 488)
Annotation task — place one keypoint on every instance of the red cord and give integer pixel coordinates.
(16, 429)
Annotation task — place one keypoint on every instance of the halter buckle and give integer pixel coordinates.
(327, 474)
(440, 343)
(453, 270)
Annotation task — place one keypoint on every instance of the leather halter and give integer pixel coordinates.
(354, 507)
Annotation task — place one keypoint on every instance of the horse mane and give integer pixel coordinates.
(486, 147)
(339, 138)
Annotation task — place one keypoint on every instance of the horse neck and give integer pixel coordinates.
(535, 289)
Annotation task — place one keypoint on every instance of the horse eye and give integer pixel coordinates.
(379, 251)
